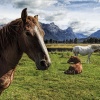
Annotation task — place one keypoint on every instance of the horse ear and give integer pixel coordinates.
(24, 15)
(36, 17)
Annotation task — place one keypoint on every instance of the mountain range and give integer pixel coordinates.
(52, 31)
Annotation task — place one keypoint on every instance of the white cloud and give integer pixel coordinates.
(33, 3)
(97, 9)
(56, 16)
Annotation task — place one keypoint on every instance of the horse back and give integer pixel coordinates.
(83, 50)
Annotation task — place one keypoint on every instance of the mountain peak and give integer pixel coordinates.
(52, 23)
(69, 29)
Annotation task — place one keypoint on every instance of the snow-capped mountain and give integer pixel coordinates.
(69, 33)
(52, 31)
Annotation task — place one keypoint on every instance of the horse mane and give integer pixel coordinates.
(8, 34)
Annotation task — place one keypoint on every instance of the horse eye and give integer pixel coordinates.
(28, 33)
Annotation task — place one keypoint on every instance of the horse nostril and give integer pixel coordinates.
(43, 63)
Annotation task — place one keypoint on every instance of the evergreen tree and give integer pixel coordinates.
(75, 40)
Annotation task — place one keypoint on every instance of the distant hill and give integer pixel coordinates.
(81, 36)
(95, 34)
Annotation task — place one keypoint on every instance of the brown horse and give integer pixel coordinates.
(75, 67)
(21, 35)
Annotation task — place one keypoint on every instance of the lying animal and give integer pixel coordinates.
(75, 67)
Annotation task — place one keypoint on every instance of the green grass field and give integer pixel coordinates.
(53, 84)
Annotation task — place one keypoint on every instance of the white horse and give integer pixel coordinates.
(86, 50)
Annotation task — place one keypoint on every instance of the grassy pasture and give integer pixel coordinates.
(53, 84)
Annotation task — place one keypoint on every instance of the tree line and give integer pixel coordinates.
(64, 41)
(89, 40)
(92, 40)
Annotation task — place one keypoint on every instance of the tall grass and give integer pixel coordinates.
(53, 84)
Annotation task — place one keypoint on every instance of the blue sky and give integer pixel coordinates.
(82, 15)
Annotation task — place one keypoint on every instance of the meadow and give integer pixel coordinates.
(53, 84)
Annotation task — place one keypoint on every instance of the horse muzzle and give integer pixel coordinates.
(44, 65)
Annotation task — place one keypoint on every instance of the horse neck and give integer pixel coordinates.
(9, 59)
(10, 52)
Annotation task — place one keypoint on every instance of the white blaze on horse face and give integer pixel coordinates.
(41, 41)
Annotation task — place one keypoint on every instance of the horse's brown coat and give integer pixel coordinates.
(17, 37)
(75, 67)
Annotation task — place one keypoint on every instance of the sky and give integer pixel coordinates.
(82, 15)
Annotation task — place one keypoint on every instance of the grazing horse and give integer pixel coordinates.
(85, 50)
(75, 67)
(23, 35)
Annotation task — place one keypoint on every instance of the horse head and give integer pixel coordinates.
(73, 60)
(32, 42)
(95, 46)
